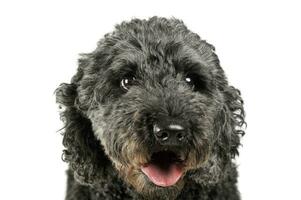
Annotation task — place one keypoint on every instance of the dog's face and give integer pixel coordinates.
(157, 102)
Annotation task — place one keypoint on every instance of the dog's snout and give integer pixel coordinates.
(171, 134)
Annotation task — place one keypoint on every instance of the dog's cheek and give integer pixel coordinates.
(98, 126)
(117, 138)
(98, 122)
(209, 173)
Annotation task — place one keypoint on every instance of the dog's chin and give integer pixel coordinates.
(151, 190)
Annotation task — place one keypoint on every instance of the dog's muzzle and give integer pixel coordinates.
(166, 166)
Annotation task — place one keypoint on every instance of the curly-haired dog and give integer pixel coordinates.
(150, 115)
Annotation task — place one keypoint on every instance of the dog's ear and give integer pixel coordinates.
(229, 123)
(230, 119)
(82, 151)
(228, 129)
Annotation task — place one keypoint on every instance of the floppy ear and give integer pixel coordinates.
(83, 151)
(229, 123)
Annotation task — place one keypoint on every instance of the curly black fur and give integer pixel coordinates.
(106, 133)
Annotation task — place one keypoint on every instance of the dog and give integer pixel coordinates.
(149, 114)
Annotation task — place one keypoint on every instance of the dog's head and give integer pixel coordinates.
(153, 101)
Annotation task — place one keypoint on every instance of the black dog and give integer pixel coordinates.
(150, 115)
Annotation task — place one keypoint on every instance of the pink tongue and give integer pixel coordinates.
(163, 177)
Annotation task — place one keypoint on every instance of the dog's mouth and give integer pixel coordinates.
(164, 169)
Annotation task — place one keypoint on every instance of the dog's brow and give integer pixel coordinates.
(186, 64)
(124, 66)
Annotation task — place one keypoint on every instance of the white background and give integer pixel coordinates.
(258, 43)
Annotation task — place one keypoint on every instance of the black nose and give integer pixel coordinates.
(171, 134)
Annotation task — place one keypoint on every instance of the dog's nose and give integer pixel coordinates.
(171, 134)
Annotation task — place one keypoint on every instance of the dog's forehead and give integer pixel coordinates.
(154, 46)
(156, 55)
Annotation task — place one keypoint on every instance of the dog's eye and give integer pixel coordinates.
(190, 80)
(127, 82)
(195, 81)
